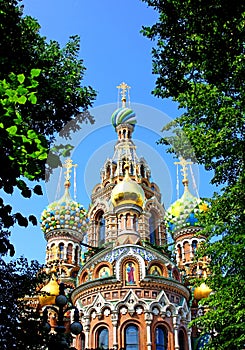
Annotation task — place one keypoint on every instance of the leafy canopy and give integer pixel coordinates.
(40, 93)
(199, 60)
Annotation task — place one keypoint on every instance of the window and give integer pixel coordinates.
(100, 228)
(131, 338)
(181, 340)
(69, 253)
(61, 250)
(194, 246)
(154, 239)
(161, 337)
(103, 338)
(102, 231)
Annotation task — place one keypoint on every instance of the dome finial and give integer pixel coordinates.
(68, 165)
(184, 169)
(124, 90)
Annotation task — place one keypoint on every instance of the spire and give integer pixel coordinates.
(184, 170)
(123, 89)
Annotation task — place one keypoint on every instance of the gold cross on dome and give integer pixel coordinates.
(124, 88)
(184, 169)
(68, 165)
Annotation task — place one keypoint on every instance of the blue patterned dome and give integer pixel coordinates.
(123, 115)
(64, 214)
(182, 213)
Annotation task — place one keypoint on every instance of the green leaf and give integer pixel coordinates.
(12, 130)
(22, 100)
(35, 72)
(31, 134)
(21, 78)
(32, 98)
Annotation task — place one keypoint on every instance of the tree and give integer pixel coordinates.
(199, 60)
(40, 92)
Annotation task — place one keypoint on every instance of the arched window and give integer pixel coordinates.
(181, 336)
(194, 246)
(135, 223)
(52, 252)
(103, 338)
(101, 231)
(154, 236)
(61, 250)
(179, 251)
(131, 337)
(69, 253)
(161, 338)
(100, 228)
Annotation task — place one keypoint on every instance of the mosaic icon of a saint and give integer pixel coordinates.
(104, 272)
(130, 270)
(155, 271)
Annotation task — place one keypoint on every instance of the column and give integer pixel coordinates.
(114, 321)
(183, 252)
(148, 321)
(176, 332)
(189, 338)
(86, 329)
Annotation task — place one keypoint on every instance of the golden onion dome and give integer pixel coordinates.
(128, 192)
(202, 292)
(51, 290)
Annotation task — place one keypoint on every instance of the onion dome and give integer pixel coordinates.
(50, 292)
(183, 212)
(128, 192)
(123, 115)
(202, 292)
(64, 214)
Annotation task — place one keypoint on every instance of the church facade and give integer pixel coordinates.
(131, 292)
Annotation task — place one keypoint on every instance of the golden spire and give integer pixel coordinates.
(184, 170)
(124, 89)
(68, 165)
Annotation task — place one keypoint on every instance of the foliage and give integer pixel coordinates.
(199, 61)
(18, 279)
(40, 95)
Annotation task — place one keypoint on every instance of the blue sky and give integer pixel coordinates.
(113, 50)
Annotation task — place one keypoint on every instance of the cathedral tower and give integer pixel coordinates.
(129, 291)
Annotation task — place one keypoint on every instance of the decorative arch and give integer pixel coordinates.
(160, 336)
(156, 268)
(104, 269)
(102, 338)
(84, 277)
(176, 274)
(95, 331)
(135, 328)
(130, 256)
(99, 222)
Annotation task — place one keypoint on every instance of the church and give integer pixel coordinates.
(130, 286)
